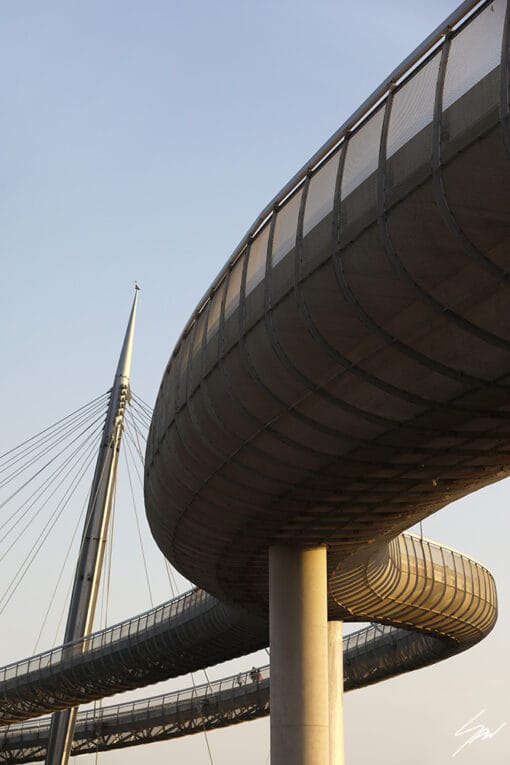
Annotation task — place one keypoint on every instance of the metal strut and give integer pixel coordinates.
(93, 542)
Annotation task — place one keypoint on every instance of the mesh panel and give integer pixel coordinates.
(362, 154)
(183, 371)
(196, 357)
(321, 194)
(199, 330)
(449, 567)
(234, 286)
(413, 106)
(459, 571)
(285, 229)
(474, 53)
(214, 313)
(257, 260)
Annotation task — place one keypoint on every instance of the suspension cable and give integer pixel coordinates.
(47, 464)
(59, 578)
(39, 492)
(32, 438)
(173, 585)
(45, 445)
(36, 547)
(24, 567)
(138, 527)
(91, 444)
(147, 408)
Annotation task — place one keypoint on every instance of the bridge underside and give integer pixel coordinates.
(360, 386)
(348, 372)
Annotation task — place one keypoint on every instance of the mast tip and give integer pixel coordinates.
(136, 286)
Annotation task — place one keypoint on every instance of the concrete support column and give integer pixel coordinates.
(299, 656)
(336, 693)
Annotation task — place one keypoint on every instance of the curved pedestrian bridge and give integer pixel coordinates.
(434, 602)
(346, 375)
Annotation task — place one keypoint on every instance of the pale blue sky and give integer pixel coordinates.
(139, 141)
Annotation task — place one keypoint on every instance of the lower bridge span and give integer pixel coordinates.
(428, 601)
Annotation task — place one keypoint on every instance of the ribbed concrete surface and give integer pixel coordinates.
(351, 374)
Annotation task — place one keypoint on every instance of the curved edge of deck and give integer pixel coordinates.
(446, 600)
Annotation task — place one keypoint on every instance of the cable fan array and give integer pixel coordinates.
(44, 492)
(44, 487)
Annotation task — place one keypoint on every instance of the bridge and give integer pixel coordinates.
(345, 376)
(196, 630)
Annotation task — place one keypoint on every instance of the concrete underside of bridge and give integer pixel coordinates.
(355, 394)
(358, 384)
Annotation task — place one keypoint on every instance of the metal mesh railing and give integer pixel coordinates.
(130, 629)
(180, 636)
(418, 583)
(409, 583)
(370, 655)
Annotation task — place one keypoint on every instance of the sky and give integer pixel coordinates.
(139, 141)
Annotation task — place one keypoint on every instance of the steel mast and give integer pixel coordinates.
(93, 542)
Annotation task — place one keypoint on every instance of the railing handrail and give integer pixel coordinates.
(440, 545)
(195, 692)
(213, 688)
(102, 634)
(172, 604)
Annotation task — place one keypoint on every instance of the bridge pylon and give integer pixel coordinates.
(93, 541)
